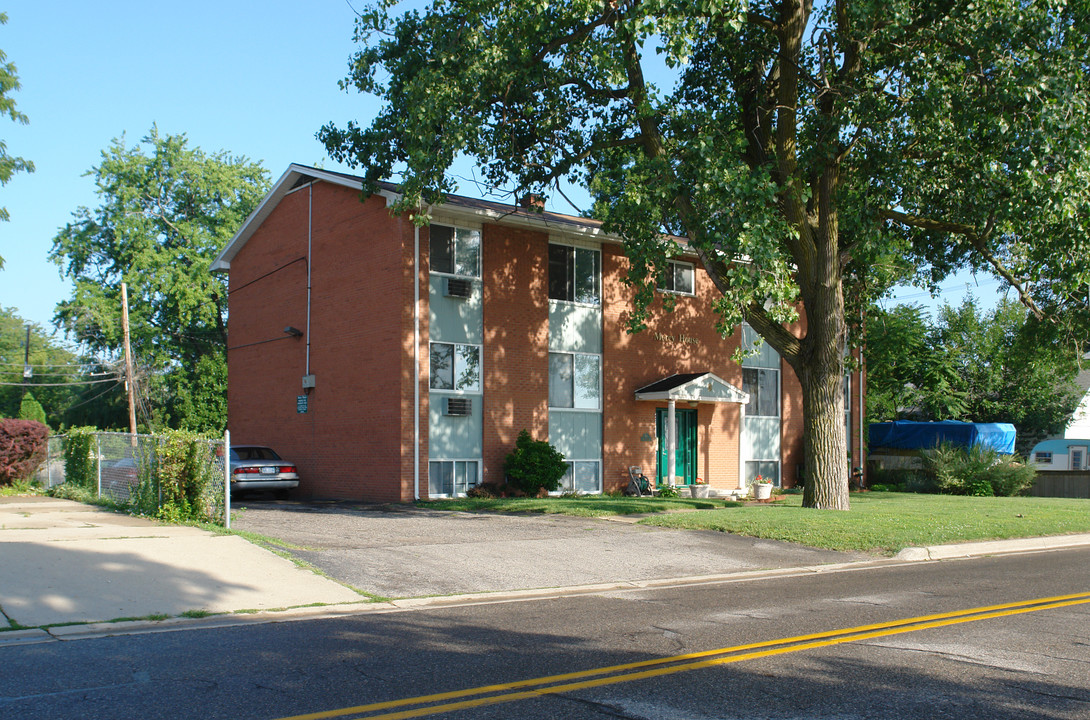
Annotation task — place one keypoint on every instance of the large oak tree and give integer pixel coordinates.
(805, 152)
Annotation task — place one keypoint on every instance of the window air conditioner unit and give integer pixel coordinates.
(459, 407)
(459, 288)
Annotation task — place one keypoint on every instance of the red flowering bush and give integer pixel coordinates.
(23, 447)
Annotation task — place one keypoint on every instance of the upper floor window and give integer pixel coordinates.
(763, 387)
(455, 367)
(455, 251)
(575, 274)
(679, 278)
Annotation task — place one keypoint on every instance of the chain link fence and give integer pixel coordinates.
(126, 472)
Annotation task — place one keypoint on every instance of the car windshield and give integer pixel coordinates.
(254, 453)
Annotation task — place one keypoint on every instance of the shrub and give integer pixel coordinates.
(172, 486)
(534, 465)
(23, 447)
(31, 409)
(977, 471)
(485, 490)
(80, 461)
(1010, 476)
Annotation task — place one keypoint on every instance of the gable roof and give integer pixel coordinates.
(455, 207)
(693, 387)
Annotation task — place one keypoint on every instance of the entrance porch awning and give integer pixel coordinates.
(703, 387)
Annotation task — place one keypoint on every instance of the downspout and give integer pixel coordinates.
(416, 361)
(862, 459)
(310, 233)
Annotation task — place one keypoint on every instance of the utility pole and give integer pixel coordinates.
(28, 372)
(129, 385)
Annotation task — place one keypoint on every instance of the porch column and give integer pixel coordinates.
(742, 442)
(671, 443)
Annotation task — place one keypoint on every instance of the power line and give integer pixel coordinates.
(82, 382)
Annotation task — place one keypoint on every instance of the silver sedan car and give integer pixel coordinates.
(255, 467)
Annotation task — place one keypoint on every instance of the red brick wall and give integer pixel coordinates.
(356, 440)
(515, 272)
(352, 441)
(633, 361)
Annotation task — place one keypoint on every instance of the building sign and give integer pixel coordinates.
(300, 403)
(682, 339)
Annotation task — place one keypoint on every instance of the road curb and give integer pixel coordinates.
(991, 547)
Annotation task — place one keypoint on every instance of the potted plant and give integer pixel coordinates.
(762, 489)
(699, 488)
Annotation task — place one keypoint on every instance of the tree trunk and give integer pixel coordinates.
(824, 443)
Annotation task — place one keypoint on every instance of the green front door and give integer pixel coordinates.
(685, 455)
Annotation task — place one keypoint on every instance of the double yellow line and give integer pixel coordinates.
(613, 674)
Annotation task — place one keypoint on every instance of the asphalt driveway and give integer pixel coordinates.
(403, 551)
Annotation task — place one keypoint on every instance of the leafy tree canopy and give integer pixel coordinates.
(970, 366)
(808, 154)
(166, 210)
(9, 83)
(69, 387)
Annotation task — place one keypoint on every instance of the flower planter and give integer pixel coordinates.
(699, 491)
(762, 491)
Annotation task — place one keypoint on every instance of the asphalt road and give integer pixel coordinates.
(1024, 662)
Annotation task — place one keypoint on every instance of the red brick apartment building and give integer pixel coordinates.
(392, 362)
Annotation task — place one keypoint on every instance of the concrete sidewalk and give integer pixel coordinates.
(66, 562)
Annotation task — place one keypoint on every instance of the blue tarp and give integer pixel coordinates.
(909, 435)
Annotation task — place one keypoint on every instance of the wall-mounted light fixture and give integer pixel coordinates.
(293, 331)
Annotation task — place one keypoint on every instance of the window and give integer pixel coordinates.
(679, 278)
(575, 274)
(581, 477)
(452, 477)
(763, 387)
(769, 470)
(1045, 458)
(575, 381)
(455, 367)
(455, 251)
(848, 411)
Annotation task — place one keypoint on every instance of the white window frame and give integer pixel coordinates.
(778, 482)
(778, 391)
(454, 250)
(570, 462)
(575, 250)
(674, 264)
(452, 461)
(454, 371)
(574, 408)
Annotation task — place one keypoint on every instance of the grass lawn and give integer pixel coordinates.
(888, 522)
(881, 522)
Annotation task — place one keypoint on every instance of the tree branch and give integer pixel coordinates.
(979, 242)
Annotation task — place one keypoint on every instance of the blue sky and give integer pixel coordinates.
(252, 79)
